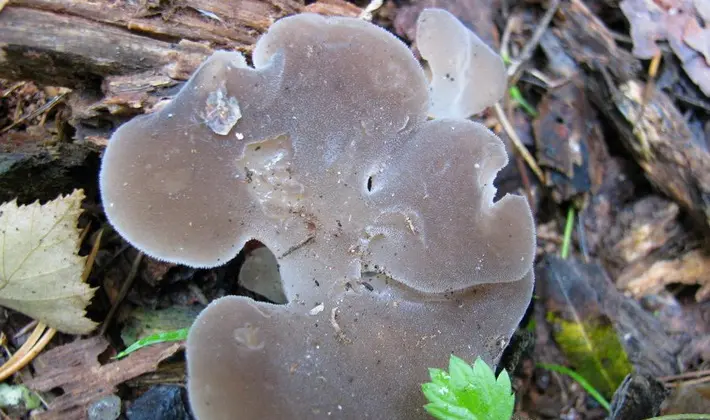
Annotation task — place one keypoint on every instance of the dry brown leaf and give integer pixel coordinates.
(40, 271)
(675, 21)
(75, 369)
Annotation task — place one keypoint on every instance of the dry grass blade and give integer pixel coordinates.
(33, 346)
(686, 375)
(519, 146)
(92, 257)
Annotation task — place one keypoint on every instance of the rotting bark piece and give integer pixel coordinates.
(333, 8)
(33, 170)
(572, 286)
(638, 397)
(45, 40)
(691, 268)
(660, 140)
(618, 187)
(569, 142)
(585, 37)
(638, 230)
(75, 368)
(663, 145)
(53, 48)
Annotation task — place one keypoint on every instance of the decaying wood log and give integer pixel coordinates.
(72, 42)
(122, 58)
(660, 140)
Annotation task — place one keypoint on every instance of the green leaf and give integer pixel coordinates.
(439, 376)
(438, 394)
(468, 392)
(449, 412)
(504, 395)
(142, 323)
(461, 373)
(164, 337)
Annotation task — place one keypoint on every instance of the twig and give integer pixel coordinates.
(527, 52)
(339, 333)
(697, 381)
(25, 329)
(370, 9)
(686, 375)
(519, 146)
(123, 292)
(14, 87)
(44, 108)
(505, 39)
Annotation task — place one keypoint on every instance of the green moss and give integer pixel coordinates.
(593, 349)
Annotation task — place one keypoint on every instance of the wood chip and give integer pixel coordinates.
(75, 369)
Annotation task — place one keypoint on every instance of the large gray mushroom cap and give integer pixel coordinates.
(391, 250)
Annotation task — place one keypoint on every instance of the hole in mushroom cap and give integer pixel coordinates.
(259, 273)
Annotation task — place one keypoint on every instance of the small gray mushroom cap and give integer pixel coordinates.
(467, 76)
(323, 152)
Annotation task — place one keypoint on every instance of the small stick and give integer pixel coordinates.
(685, 375)
(44, 108)
(696, 381)
(25, 329)
(519, 146)
(527, 52)
(123, 292)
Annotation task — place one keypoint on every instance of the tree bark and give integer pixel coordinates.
(78, 43)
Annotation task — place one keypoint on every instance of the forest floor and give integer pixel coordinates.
(606, 125)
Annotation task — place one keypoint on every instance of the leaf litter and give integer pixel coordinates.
(591, 52)
(40, 271)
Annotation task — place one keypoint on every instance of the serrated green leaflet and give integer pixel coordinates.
(468, 392)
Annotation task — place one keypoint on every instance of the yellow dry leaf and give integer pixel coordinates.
(40, 271)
